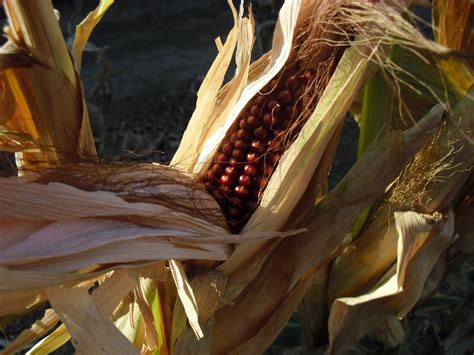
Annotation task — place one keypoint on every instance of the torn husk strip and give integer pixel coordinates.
(111, 291)
(76, 307)
(217, 123)
(421, 240)
(431, 182)
(186, 295)
(44, 92)
(84, 30)
(38, 329)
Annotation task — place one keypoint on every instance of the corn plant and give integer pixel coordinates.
(214, 252)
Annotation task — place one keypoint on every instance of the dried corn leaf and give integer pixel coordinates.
(115, 287)
(35, 29)
(48, 97)
(291, 262)
(76, 307)
(422, 239)
(184, 157)
(84, 30)
(38, 329)
(52, 342)
(207, 288)
(431, 182)
(186, 295)
(282, 43)
(453, 24)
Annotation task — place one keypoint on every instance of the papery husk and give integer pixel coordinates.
(84, 30)
(431, 182)
(76, 307)
(116, 286)
(312, 310)
(453, 27)
(208, 288)
(38, 329)
(211, 110)
(54, 234)
(421, 240)
(44, 91)
(283, 279)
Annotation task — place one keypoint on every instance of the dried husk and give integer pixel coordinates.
(453, 24)
(421, 240)
(430, 183)
(44, 90)
(284, 275)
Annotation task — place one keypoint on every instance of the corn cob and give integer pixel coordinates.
(255, 143)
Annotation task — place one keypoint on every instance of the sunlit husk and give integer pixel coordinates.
(42, 90)
(421, 239)
(430, 183)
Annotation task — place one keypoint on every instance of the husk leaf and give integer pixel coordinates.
(431, 183)
(421, 240)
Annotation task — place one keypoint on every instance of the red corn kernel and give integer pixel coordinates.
(292, 82)
(254, 121)
(231, 171)
(260, 100)
(268, 169)
(243, 134)
(235, 201)
(221, 158)
(261, 133)
(224, 190)
(285, 96)
(238, 154)
(225, 180)
(251, 157)
(273, 104)
(273, 158)
(251, 205)
(257, 146)
(255, 109)
(233, 138)
(254, 194)
(240, 144)
(217, 169)
(227, 149)
(284, 124)
(234, 212)
(245, 180)
(250, 170)
(241, 191)
(217, 195)
(267, 119)
(233, 162)
(243, 124)
(234, 224)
